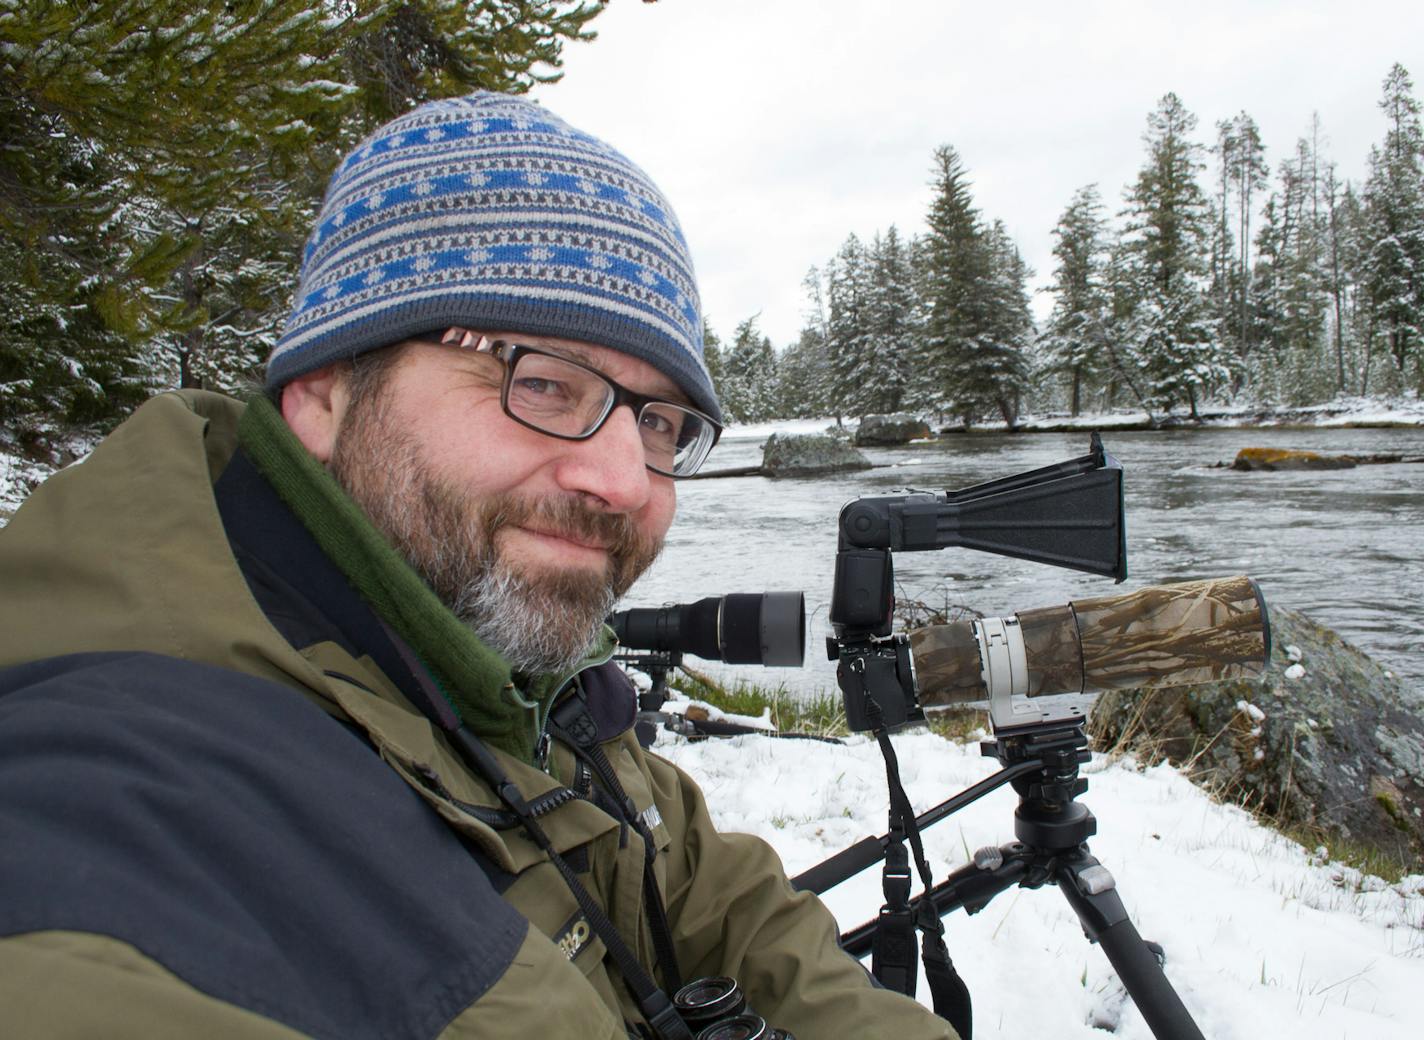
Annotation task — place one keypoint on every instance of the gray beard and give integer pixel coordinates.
(537, 622)
(531, 630)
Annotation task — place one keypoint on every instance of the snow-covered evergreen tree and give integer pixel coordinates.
(1072, 347)
(850, 342)
(1290, 285)
(890, 324)
(749, 385)
(162, 160)
(1006, 349)
(979, 367)
(1165, 312)
(1393, 254)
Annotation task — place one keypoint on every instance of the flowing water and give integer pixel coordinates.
(1344, 546)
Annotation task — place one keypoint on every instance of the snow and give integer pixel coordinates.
(1263, 938)
(798, 427)
(17, 478)
(1250, 709)
(1342, 411)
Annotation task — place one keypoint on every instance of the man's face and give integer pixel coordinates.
(527, 538)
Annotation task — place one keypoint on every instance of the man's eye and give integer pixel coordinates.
(548, 389)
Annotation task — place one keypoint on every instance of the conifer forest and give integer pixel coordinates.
(162, 162)
(1215, 276)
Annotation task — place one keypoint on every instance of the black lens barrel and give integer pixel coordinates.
(767, 628)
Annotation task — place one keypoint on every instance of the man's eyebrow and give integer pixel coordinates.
(669, 391)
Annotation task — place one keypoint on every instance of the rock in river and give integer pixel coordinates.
(890, 430)
(1280, 458)
(798, 455)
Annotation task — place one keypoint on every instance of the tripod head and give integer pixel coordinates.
(1048, 818)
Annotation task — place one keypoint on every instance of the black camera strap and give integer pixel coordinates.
(571, 720)
(654, 1004)
(893, 945)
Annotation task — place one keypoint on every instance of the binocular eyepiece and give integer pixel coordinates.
(767, 628)
(715, 1008)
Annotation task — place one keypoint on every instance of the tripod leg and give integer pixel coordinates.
(1092, 893)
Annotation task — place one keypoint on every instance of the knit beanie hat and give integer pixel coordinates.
(490, 212)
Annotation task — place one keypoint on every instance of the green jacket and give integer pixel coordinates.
(127, 554)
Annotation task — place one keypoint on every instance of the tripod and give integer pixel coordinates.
(1052, 828)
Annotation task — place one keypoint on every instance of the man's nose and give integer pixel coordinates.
(611, 465)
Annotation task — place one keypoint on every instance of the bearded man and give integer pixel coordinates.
(307, 720)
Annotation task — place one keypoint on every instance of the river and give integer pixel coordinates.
(1345, 546)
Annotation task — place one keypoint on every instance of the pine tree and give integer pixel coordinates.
(712, 352)
(806, 374)
(890, 325)
(1006, 347)
(850, 343)
(1290, 283)
(749, 376)
(401, 54)
(1224, 286)
(162, 161)
(1341, 222)
(1076, 325)
(959, 345)
(802, 378)
(1248, 175)
(1394, 228)
(1166, 238)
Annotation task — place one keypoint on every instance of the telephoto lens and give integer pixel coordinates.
(740, 628)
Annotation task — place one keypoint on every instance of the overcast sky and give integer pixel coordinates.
(777, 127)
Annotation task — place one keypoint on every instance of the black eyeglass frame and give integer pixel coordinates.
(508, 353)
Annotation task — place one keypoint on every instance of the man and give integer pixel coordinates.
(307, 724)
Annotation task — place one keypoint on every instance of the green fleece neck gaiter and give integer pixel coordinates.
(476, 680)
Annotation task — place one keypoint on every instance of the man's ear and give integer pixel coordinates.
(314, 404)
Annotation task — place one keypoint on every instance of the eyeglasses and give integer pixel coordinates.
(553, 394)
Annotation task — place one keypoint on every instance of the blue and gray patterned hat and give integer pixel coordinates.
(492, 213)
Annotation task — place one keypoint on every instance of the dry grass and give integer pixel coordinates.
(819, 715)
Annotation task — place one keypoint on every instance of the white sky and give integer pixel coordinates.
(777, 127)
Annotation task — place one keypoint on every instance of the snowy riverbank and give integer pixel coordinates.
(1263, 938)
(1363, 412)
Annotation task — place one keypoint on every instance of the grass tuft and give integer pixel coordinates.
(819, 715)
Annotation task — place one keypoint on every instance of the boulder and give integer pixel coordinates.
(798, 455)
(1278, 458)
(889, 430)
(1327, 744)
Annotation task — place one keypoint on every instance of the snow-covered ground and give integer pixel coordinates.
(1263, 938)
(1343, 411)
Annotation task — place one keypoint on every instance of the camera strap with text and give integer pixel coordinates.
(654, 1004)
(893, 946)
(571, 720)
